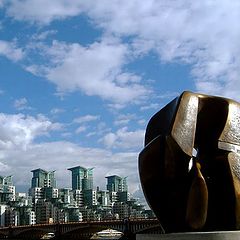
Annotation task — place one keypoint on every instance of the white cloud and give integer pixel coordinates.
(96, 70)
(57, 111)
(204, 34)
(11, 51)
(109, 139)
(124, 119)
(61, 155)
(154, 106)
(81, 129)
(142, 122)
(66, 134)
(36, 10)
(124, 139)
(43, 35)
(20, 130)
(86, 118)
(21, 104)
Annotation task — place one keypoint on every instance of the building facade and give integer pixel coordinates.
(42, 178)
(82, 178)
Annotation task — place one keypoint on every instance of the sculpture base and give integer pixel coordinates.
(226, 235)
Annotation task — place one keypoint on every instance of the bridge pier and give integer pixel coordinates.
(127, 231)
(57, 231)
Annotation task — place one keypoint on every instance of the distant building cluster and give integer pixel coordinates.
(45, 203)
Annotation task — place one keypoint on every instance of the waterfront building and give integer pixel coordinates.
(36, 193)
(116, 183)
(75, 215)
(2, 214)
(7, 189)
(26, 215)
(11, 217)
(31, 217)
(120, 210)
(42, 178)
(44, 212)
(62, 215)
(22, 199)
(65, 195)
(90, 197)
(43, 185)
(103, 198)
(106, 213)
(123, 196)
(113, 197)
(89, 214)
(82, 178)
(135, 210)
(78, 197)
(50, 193)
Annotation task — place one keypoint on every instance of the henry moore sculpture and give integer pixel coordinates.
(190, 166)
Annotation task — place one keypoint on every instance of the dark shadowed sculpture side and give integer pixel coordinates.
(200, 192)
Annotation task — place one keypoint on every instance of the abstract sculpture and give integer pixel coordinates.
(190, 166)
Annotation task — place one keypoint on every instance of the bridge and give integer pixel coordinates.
(81, 230)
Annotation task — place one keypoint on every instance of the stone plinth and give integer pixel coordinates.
(229, 235)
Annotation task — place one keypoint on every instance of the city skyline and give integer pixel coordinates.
(79, 80)
(46, 203)
(53, 183)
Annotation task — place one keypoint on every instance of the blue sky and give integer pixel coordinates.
(79, 80)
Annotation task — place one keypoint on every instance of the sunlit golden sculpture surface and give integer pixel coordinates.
(190, 166)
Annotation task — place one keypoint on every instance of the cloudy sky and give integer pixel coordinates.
(79, 79)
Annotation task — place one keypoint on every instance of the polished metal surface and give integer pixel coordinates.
(192, 192)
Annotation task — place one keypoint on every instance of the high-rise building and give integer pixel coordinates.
(103, 198)
(3, 208)
(44, 212)
(82, 178)
(78, 197)
(7, 189)
(65, 195)
(42, 178)
(117, 184)
(90, 197)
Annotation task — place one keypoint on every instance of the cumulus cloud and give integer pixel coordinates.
(61, 155)
(202, 34)
(96, 70)
(18, 131)
(21, 152)
(124, 139)
(11, 51)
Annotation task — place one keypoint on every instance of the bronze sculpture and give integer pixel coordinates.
(193, 191)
